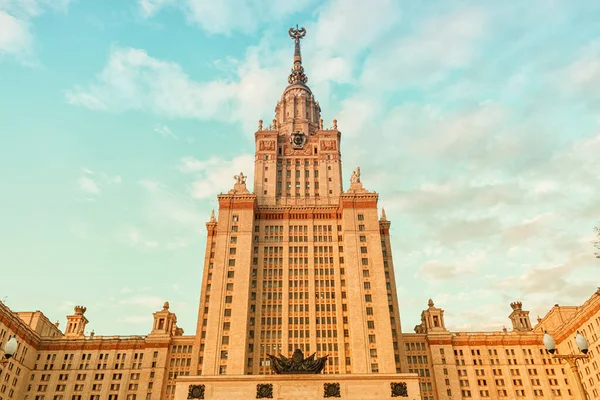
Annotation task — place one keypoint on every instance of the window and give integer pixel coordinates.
(361, 217)
(234, 228)
(235, 218)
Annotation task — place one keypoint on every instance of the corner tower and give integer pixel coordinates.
(76, 323)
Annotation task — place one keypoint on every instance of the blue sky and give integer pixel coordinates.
(477, 122)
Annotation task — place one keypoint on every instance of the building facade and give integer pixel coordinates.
(299, 262)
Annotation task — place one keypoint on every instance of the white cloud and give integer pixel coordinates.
(165, 131)
(133, 80)
(88, 185)
(227, 16)
(162, 205)
(15, 25)
(444, 270)
(15, 37)
(440, 44)
(135, 238)
(213, 173)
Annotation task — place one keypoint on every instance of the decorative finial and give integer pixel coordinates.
(383, 216)
(80, 310)
(92, 333)
(430, 303)
(504, 329)
(297, 75)
(321, 123)
(240, 179)
(212, 216)
(260, 124)
(56, 324)
(335, 124)
(539, 319)
(516, 306)
(166, 306)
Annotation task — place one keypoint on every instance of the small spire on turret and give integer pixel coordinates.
(383, 216)
(212, 216)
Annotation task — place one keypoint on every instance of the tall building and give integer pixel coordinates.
(299, 262)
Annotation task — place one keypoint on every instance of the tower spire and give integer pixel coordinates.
(297, 75)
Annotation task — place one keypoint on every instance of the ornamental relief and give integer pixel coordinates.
(306, 151)
(266, 145)
(328, 145)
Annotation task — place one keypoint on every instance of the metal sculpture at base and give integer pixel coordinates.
(196, 392)
(331, 390)
(297, 364)
(264, 391)
(399, 389)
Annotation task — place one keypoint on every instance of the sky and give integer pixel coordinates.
(120, 121)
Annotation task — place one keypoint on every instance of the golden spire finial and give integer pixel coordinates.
(297, 75)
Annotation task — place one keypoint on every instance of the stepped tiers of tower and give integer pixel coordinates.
(297, 264)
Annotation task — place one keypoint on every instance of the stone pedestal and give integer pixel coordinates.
(299, 387)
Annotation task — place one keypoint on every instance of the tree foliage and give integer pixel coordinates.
(597, 241)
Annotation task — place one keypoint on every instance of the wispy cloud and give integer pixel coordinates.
(16, 19)
(88, 185)
(135, 238)
(227, 16)
(213, 173)
(165, 131)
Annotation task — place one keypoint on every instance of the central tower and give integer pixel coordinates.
(299, 263)
(297, 160)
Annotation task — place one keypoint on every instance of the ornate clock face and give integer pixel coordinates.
(298, 140)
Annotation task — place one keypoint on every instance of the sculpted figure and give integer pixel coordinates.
(355, 178)
(297, 364)
(240, 179)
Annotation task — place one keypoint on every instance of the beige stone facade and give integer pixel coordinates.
(297, 261)
(510, 364)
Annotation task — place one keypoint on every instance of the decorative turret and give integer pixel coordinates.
(432, 320)
(165, 322)
(519, 318)
(76, 323)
